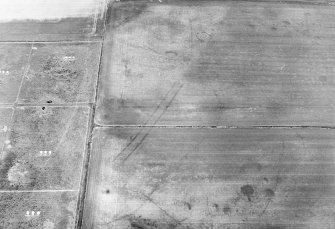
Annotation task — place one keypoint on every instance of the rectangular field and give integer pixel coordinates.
(207, 63)
(211, 178)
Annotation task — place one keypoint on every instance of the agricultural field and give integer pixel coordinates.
(45, 210)
(45, 112)
(168, 115)
(45, 149)
(61, 73)
(211, 178)
(13, 64)
(214, 114)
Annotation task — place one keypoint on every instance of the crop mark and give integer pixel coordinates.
(133, 145)
(277, 180)
(148, 198)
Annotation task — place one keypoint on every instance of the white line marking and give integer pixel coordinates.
(74, 104)
(46, 42)
(24, 75)
(37, 191)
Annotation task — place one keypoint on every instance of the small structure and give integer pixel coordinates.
(32, 213)
(45, 153)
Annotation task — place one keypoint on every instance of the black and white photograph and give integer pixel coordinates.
(167, 114)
